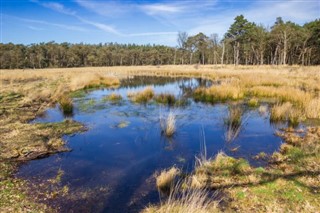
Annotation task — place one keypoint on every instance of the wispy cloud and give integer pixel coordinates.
(207, 16)
(35, 28)
(54, 6)
(34, 21)
(172, 8)
(101, 26)
(58, 7)
(264, 12)
(109, 8)
(156, 9)
(62, 9)
(293, 10)
(151, 34)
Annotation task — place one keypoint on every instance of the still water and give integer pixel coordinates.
(111, 166)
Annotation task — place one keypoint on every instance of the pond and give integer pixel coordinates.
(111, 166)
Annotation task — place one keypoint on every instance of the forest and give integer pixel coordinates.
(245, 43)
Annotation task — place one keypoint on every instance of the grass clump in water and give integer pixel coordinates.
(142, 96)
(168, 125)
(279, 112)
(286, 112)
(165, 98)
(66, 104)
(113, 97)
(253, 102)
(233, 123)
(165, 180)
(220, 93)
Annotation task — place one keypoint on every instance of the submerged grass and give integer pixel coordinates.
(13, 195)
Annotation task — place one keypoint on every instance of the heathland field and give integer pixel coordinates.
(288, 180)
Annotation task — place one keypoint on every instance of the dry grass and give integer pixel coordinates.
(286, 112)
(279, 112)
(168, 124)
(233, 123)
(189, 201)
(142, 96)
(165, 98)
(282, 94)
(113, 97)
(219, 93)
(24, 94)
(313, 108)
(165, 180)
(289, 184)
(92, 80)
(66, 104)
(253, 102)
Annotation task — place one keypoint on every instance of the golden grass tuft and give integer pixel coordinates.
(66, 104)
(233, 123)
(279, 112)
(282, 94)
(218, 93)
(92, 80)
(165, 98)
(113, 97)
(253, 102)
(168, 125)
(189, 201)
(142, 96)
(313, 109)
(165, 180)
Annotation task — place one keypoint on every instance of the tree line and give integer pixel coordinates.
(244, 43)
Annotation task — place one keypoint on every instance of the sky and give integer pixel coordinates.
(139, 22)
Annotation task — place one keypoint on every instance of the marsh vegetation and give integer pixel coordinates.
(125, 143)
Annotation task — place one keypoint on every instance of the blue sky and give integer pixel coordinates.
(140, 22)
